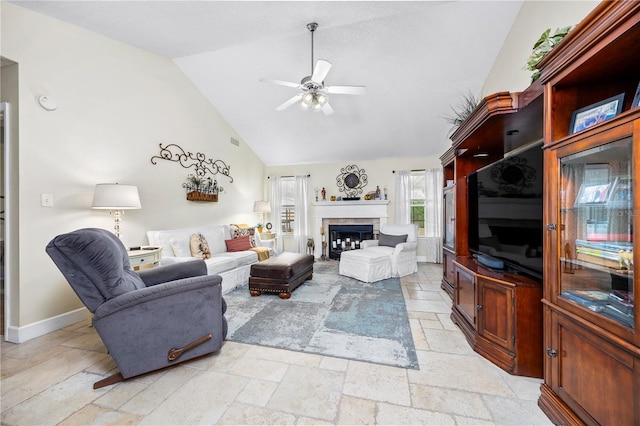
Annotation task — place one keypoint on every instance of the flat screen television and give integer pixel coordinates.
(505, 212)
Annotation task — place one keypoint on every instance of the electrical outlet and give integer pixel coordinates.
(47, 200)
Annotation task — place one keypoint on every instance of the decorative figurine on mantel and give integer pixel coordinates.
(378, 197)
(324, 194)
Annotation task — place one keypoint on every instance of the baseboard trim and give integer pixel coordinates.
(40, 328)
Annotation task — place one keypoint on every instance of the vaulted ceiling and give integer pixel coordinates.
(416, 58)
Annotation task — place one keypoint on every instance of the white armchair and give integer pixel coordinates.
(403, 256)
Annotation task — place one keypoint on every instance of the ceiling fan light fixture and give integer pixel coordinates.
(313, 90)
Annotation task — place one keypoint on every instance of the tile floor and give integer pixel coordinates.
(48, 381)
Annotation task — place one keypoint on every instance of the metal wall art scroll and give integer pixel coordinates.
(351, 180)
(513, 175)
(198, 161)
(199, 185)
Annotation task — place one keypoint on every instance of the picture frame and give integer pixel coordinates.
(594, 193)
(593, 114)
(636, 98)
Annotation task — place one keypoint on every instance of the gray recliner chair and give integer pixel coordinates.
(149, 319)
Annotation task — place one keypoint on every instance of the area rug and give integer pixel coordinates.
(330, 315)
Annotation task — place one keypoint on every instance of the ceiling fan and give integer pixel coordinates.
(313, 91)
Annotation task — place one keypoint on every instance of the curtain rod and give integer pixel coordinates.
(416, 170)
(269, 177)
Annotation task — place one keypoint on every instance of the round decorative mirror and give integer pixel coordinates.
(351, 180)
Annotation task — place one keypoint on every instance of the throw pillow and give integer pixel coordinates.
(391, 240)
(180, 247)
(237, 232)
(238, 244)
(199, 246)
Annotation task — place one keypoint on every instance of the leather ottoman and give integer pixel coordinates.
(280, 274)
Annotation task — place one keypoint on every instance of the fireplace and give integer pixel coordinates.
(347, 237)
(358, 212)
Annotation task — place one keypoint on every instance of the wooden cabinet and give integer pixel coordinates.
(591, 340)
(500, 315)
(496, 303)
(447, 271)
(591, 380)
(465, 294)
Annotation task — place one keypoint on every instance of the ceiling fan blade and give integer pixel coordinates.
(346, 90)
(288, 103)
(280, 82)
(320, 71)
(327, 109)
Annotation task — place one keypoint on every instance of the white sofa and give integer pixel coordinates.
(233, 267)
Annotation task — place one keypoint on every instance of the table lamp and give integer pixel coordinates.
(261, 207)
(116, 198)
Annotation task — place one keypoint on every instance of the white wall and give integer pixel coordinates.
(116, 104)
(508, 73)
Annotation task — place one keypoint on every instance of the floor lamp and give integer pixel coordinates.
(116, 198)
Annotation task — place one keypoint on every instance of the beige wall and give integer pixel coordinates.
(116, 103)
(508, 73)
(379, 173)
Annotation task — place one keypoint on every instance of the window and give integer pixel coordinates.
(287, 203)
(418, 199)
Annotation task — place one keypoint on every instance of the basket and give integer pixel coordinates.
(201, 196)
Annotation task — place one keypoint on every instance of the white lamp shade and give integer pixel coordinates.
(115, 197)
(261, 207)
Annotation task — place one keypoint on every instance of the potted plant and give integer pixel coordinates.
(201, 188)
(543, 46)
(259, 227)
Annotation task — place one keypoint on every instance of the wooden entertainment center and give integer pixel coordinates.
(578, 326)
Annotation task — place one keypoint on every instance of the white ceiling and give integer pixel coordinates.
(416, 58)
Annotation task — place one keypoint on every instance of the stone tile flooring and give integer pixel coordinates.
(48, 381)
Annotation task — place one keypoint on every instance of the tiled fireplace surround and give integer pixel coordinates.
(362, 212)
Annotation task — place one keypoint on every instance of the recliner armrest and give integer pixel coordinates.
(168, 289)
(172, 272)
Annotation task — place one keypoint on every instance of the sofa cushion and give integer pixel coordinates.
(219, 263)
(240, 231)
(199, 246)
(181, 247)
(243, 258)
(391, 240)
(215, 236)
(163, 239)
(238, 244)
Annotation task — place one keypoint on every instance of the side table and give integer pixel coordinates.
(145, 257)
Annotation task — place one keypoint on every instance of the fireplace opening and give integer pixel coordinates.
(347, 237)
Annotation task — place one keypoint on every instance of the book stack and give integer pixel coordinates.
(616, 304)
(601, 253)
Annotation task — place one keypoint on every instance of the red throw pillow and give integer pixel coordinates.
(238, 244)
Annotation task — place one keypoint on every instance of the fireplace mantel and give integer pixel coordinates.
(360, 209)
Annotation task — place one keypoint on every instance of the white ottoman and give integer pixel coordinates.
(365, 265)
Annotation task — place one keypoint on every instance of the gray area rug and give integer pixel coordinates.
(329, 315)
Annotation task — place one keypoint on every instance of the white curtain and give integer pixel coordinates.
(300, 227)
(403, 197)
(433, 214)
(276, 210)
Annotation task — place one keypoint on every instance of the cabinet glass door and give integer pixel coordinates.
(596, 232)
(449, 217)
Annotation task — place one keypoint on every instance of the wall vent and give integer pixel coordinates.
(235, 142)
